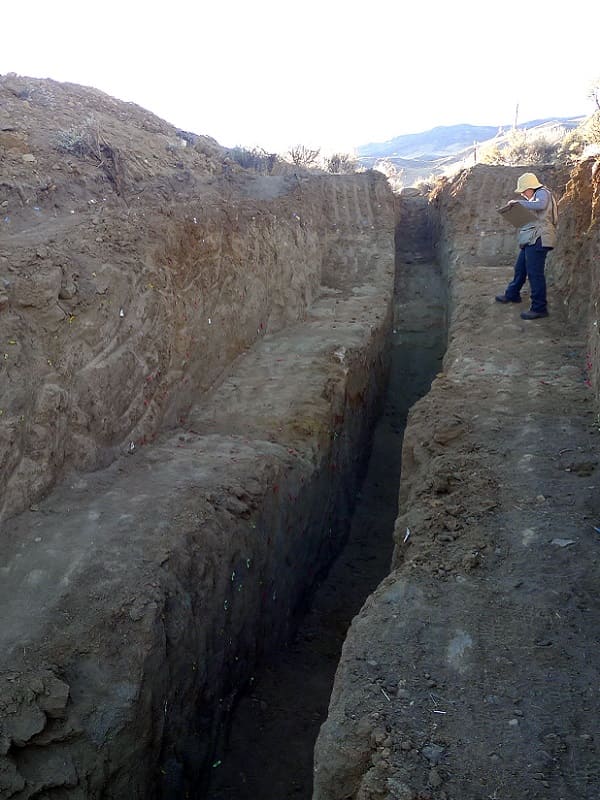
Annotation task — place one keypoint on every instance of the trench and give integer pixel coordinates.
(266, 753)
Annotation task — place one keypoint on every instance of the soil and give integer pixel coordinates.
(471, 672)
(193, 358)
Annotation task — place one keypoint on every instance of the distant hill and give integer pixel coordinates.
(420, 155)
(433, 143)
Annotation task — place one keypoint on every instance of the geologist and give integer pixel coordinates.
(536, 239)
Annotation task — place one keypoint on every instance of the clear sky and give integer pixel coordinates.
(317, 72)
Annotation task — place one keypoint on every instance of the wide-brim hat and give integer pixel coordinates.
(527, 181)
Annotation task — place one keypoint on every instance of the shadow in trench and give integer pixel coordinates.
(269, 751)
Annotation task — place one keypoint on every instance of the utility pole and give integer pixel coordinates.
(516, 117)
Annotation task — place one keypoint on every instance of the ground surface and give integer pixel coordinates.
(471, 673)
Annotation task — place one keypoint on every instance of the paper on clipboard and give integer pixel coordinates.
(517, 215)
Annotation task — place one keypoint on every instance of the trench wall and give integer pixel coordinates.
(578, 254)
(104, 346)
(137, 598)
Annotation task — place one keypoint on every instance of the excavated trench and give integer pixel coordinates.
(189, 394)
(141, 600)
(267, 750)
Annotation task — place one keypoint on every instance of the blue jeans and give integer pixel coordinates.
(530, 264)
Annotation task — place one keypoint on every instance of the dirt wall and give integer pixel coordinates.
(577, 260)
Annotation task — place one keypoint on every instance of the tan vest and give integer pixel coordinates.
(547, 220)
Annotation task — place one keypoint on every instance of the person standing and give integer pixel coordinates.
(535, 240)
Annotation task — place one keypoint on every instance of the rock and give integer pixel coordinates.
(433, 753)
(67, 291)
(452, 430)
(54, 698)
(10, 780)
(492, 700)
(470, 561)
(562, 542)
(399, 791)
(23, 723)
(378, 737)
(434, 779)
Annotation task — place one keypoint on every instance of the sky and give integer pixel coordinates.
(322, 73)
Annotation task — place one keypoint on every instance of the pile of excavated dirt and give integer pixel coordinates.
(471, 672)
(193, 359)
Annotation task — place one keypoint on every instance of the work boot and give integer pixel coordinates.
(502, 298)
(533, 314)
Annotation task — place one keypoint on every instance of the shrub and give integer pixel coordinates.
(86, 141)
(581, 140)
(341, 163)
(255, 159)
(82, 140)
(520, 147)
(303, 156)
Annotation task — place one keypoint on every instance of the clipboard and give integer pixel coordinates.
(517, 215)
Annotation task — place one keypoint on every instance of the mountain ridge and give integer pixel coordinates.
(437, 150)
(443, 139)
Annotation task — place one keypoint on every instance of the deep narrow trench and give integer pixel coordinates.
(268, 754)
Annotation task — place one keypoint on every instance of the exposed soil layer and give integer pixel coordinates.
(268, 752)
(471, 672)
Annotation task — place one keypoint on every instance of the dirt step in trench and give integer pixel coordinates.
(137, 599)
